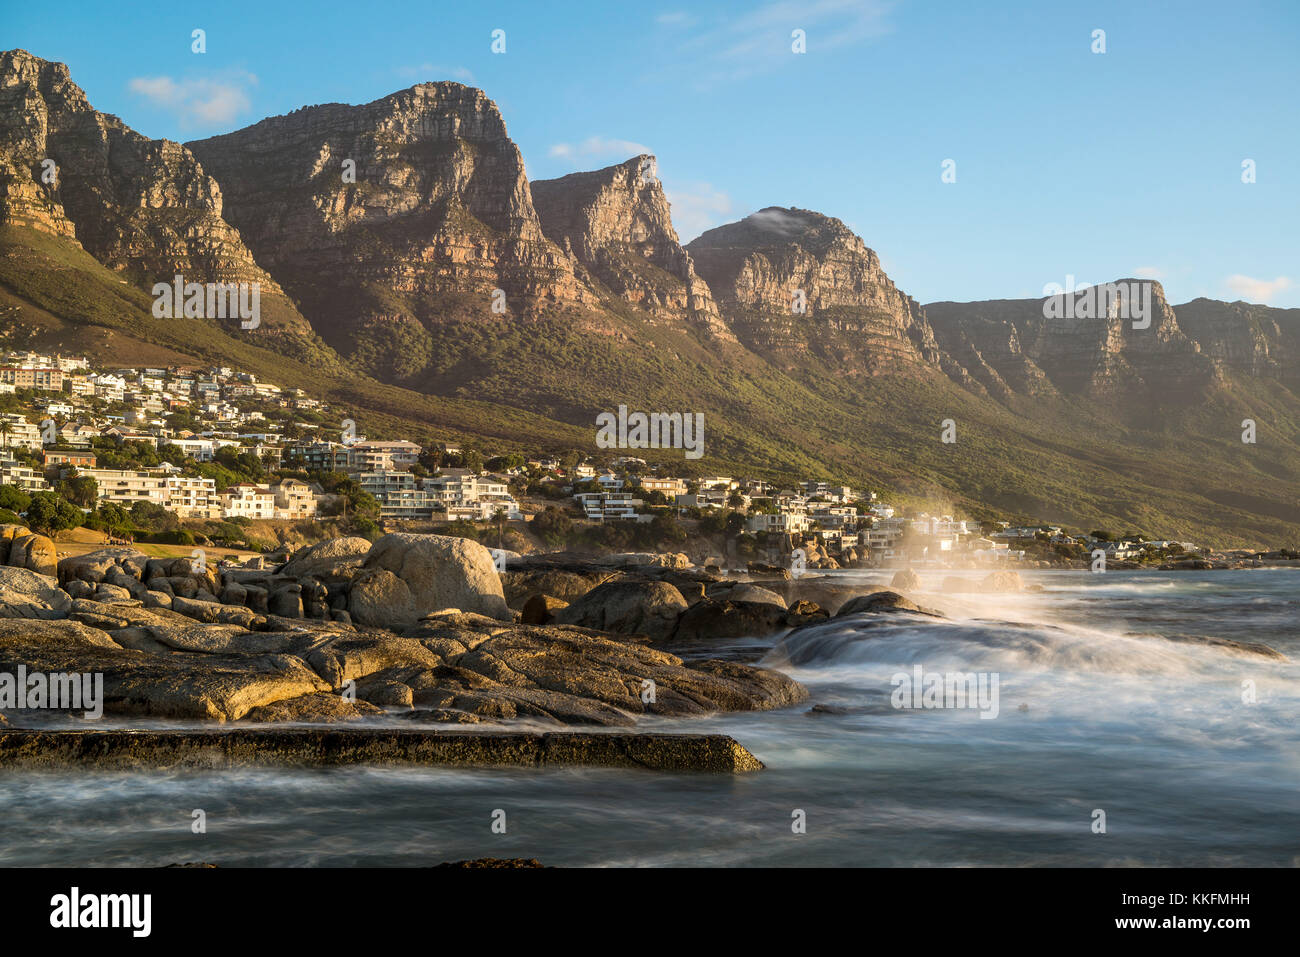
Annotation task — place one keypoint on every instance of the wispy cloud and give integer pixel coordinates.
(430, 72)
(598, 146)
(697, 207)
(760, 40)
(1148, 272)
(1257, 290)
(198, 102)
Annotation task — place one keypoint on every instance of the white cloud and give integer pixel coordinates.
(697, 207)
(779, 221)
(1149, 272)
(431, 72)
(599, 146)
(197, 102)
(760, 40)
(1257, 290)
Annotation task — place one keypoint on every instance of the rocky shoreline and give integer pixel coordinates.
(423, 629)
(413, 627)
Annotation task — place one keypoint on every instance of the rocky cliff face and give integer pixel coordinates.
(387, 218)
(853, 317)
(1243, 337)
(143, 207)
(618, 224)
(1034, 347)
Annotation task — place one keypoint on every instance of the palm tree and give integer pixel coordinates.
(6, 428)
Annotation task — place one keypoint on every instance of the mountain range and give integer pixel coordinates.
(411, 272)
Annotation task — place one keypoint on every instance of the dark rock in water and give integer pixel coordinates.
(493, 863)
(720, 618)
(820, 709)
(837, 710)
(1002, 580)
(745, 592)
(1188, 565)
(202, 864)
(768, 571)
(1230, 645)
(627, 607)
(883, 601)
(826, 592)
(318, 747)
(907, 580)
(805, 612)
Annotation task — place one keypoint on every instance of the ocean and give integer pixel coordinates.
(1108, 700)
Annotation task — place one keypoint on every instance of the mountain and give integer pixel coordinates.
(796, 285)
(1013, 345)
(618, 224)
(384, 234)
(1246, 339)
(388, 219)
(144, 208)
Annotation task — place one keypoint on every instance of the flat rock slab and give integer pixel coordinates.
(329, 747)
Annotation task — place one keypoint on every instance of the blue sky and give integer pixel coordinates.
(1068, 162)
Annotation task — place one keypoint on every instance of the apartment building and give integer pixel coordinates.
(16, 474)
(17, 432)
(246, 500)
(46, 379)
(611, 507)
(294, 500)
(398, 454)
(81, 460)
(192, 497)
(671, 487)
(128, 486)
(793, 521)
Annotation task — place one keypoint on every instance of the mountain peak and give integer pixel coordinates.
(800, 283)
(618, 224)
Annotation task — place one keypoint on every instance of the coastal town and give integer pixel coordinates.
(178, 453)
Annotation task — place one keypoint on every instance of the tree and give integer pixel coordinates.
(80, 490)
(666, 528)
(552, 525)
(113, 517)
(50, 513)
(152, 516)
(14, 498)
